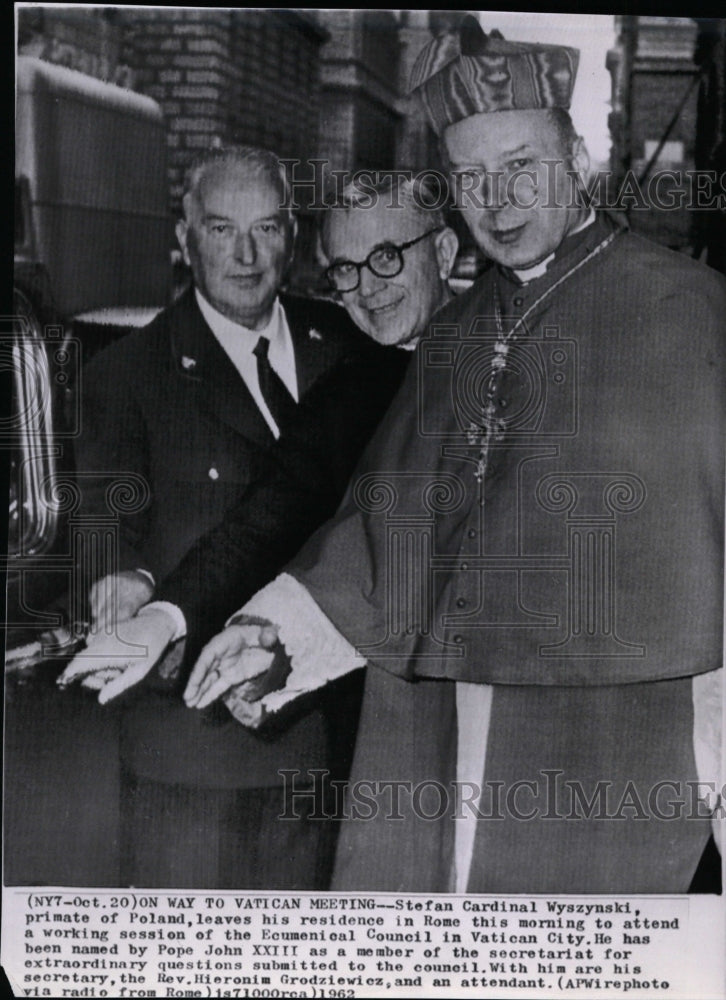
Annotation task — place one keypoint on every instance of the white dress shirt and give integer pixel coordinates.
(238, 343)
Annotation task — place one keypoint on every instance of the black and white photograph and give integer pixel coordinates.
(365, 566)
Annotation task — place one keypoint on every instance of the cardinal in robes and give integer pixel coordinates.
(528, 561)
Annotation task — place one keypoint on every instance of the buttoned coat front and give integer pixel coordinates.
(166, 404)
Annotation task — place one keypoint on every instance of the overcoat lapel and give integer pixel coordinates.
(215, 384)
(209, 377)
(315, 350)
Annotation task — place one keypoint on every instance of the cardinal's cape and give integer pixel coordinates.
(591, 552)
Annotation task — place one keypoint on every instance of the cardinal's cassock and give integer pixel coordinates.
(529, 561)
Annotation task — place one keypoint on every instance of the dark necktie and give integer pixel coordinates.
(274, 391)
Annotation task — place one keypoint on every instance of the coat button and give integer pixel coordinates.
(465, 566)
(213, 474)
(472, 532)
(518, 300)
(461, 602)
(458, 639)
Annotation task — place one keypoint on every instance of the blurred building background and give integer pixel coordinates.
(311, 85)
(668, 119)
(330, 85)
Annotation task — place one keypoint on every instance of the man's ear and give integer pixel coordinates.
(182, 234)
(579, 166)
(293, 237)
(580, 157)
(321, 258)
(446, 244)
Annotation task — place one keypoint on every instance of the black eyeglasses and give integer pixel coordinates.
(385, 261)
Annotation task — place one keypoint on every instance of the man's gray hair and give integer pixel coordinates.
(260, 163)
(399, 190)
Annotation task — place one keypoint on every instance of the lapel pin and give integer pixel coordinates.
(315, 335)
(188, 363)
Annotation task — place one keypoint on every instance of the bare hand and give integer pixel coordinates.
(117, 597)
(111, 664)
(237, 654)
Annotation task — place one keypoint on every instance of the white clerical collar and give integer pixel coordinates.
(223, 327)
(529, 273)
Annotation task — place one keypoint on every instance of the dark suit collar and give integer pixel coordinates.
(311, 348)
(206, 369)
(199, 358)
(195, 349)
(316, 351)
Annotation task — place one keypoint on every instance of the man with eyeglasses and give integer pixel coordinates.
(389, 301)
(389, 265)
